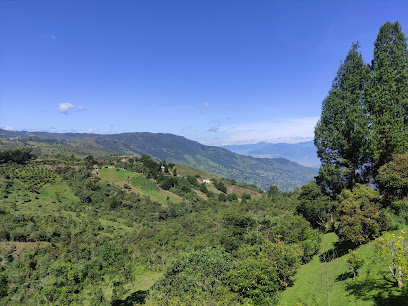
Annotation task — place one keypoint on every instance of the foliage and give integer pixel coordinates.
(192, 180)
(273, 192)
(315, 207)
(222, 197)
(387, 95)
(356, 261)
(295, 229)
(401, 209)
(232, 197)
(19, 156)
(285, 258)
(393, 251)
(203, 188)
(197, 275)
(34, 177)
(341, 133)
(246, 196)
(220, 186)
(86, 233)
(392, 179)
(254, 279)
(361, 217)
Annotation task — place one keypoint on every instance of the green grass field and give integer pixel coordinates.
(328, 280)
(115, 175)
(184, 171)
(148, 187)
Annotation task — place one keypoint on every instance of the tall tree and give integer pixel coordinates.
(387, 95)
(341, 133)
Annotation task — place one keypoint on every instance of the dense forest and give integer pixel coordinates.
(129, 229)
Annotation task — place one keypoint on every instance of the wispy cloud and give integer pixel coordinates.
(52, 37)
(65, 107)
(215, 126)
(289, 130)
(8, 128)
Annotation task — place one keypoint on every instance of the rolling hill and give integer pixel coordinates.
(262, 172)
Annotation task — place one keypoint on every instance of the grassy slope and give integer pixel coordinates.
(319, 282)
(185, 170)
(120, 177)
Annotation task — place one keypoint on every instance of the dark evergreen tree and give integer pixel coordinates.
(387, 95)
(341, 133)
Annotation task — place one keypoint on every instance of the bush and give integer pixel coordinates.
(220, 186)
(232, 197)
(361, 216)
(254, 279)
(392, 179)
(356, 261)
(194, 275)
(222, 197)
(203, 188)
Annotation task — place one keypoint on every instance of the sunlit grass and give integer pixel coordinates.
(328, 280)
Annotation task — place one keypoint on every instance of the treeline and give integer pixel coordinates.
(19, 156)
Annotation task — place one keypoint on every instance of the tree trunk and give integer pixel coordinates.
(399, 278)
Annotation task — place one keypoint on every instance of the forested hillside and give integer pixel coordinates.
(73, 234)
(262, 172)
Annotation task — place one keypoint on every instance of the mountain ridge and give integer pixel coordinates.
(303, 153)
(262, 172)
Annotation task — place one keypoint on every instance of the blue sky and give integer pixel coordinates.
(219, 72)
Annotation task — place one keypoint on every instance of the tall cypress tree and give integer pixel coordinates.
(387, 95)
(341, 133)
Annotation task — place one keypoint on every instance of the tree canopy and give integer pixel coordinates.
(387, 95)
(364, 119)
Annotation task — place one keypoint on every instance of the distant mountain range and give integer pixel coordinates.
(262, 172)
(304, 153)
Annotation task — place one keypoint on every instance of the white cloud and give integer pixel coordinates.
(81, 108)
(52, 37)
(9, 128)
(291, 130)
(91, 131)
(65, 107)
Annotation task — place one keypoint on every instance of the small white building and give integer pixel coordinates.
(206, 181)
